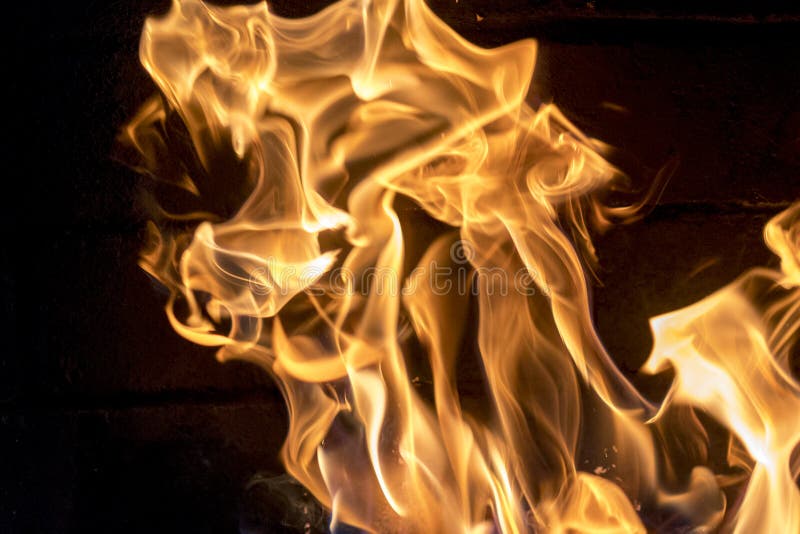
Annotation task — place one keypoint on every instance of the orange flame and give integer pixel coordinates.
(295, 145)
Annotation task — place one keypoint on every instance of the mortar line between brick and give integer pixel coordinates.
(77, 403)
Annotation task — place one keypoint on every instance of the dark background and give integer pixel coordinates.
(111, 422)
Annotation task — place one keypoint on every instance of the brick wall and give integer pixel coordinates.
(110, 422)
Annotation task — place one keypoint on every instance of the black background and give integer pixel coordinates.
(111, 422)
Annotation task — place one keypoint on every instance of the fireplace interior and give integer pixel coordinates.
(109, 421)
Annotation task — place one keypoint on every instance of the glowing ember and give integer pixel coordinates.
(304, 139)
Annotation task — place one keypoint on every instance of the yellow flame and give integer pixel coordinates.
(726, 364)
(297, 140)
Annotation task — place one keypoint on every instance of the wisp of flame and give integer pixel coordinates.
(301, 151)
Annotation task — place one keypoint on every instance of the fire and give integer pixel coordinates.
(295, 148)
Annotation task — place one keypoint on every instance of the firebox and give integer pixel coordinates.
(406, 266)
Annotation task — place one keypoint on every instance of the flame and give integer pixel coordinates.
(292, 147)
(731, 360)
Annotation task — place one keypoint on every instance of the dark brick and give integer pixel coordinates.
(92, 323)
(156, 469)
(667, 261)
(728, 112)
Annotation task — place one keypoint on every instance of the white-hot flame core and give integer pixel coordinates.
(307, 134)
